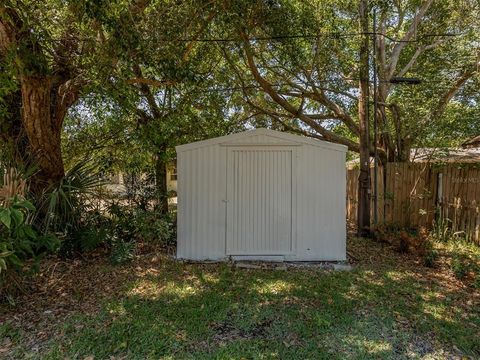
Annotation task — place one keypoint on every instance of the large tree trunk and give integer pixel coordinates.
(161, 181)
(386, 141)
(13, 139)
(43, 130)
(363, 215)
(43, 102)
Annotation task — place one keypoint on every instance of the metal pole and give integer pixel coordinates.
(375, 155)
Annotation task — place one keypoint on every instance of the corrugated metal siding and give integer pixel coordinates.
(201, 205)
(318, 225)
(259, 210)
(321, 227)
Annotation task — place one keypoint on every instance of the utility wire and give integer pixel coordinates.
(277, 85)
(312, 36)
(334, 35)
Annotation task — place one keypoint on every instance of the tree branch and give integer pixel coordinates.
(397, 49)
(10, 24)
(445, 99)
(157, 113)
(268, 88)
(191, 44)
(415, 56)
(151, 82)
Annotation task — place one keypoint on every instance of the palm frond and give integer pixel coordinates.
(64, 204)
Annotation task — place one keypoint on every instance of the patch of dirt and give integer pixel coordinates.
(226, 332)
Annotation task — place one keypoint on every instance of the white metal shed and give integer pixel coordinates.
(261, 194)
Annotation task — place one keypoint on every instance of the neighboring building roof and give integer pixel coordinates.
(238, 139)
(472, 143)
(450, 155)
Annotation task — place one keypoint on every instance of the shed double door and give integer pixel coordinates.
(259, 201)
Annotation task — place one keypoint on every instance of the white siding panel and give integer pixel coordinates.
(259, 208)
(201, 206)
(321, 205)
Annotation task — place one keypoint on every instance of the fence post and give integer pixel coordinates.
(439, 188)
(439, 198)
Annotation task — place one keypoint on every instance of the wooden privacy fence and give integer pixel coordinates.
(418, 194)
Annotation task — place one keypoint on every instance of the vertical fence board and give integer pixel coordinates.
(409, 195)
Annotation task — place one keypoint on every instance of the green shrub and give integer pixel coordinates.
(476, 281)
(121, 251)
(64, 207)
(17, 238)
(142, 225)
(441, 230)
(153, 227)
(72, 210)
(431, 254)
(85, 239)
(19, 241)
(69, 208)
(88, 235)
(132, 225)
(460, 265)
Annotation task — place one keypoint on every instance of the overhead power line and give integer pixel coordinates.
(306, 86)
(333, 35)
(312, 36)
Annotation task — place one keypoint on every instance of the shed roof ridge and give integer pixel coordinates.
(262, 131)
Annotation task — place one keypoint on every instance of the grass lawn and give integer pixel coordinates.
(389, 307)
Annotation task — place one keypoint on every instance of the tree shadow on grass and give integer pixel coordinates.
(215, 311)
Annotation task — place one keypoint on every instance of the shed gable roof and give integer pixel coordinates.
(262, 137)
